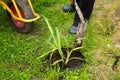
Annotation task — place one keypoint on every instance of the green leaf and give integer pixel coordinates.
(50, 28)
(48, 24)
(58, 37)
(57, 61)
(52, 45)
(74, 49)
(43, 55)
(73, 58)
(66, 42)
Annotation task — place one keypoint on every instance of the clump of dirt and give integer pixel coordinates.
(72, 63)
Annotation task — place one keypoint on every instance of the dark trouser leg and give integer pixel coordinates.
(86, 7)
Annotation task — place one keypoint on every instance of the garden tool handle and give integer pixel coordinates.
(81, 26)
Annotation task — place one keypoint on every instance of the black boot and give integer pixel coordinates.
(73, 28)
(69, 8)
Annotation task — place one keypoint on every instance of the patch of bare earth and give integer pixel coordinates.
(116, 19)
(102, 68)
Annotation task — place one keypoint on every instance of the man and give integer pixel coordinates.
(86, 7)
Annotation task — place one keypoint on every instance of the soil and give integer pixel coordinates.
(71, 63)
(107, 67)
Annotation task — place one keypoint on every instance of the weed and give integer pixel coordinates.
(56, 45)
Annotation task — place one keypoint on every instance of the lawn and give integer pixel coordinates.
(20, 53)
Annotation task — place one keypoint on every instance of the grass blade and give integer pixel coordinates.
(57, 61)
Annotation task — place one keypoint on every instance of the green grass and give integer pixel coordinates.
(19, 53)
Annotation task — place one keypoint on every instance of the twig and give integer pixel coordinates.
(117, 58)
